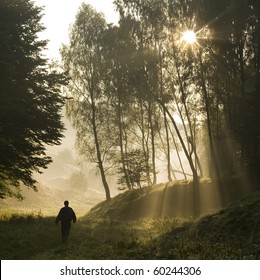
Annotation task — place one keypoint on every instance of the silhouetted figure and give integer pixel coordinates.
(66, 216)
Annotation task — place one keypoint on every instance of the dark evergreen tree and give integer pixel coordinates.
(30, 99)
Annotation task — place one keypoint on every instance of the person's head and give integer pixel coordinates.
(66, 203)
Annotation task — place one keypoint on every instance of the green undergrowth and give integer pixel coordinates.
(33, 236)
(23, 235)
(232, 233)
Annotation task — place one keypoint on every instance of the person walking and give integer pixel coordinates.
(66, 216)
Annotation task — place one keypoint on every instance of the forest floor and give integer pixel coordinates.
(232, 233)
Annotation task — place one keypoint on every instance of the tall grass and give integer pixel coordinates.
(24, 235)
(34, 236)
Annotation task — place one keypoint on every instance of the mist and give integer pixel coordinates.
(64, 179)
(68, 178)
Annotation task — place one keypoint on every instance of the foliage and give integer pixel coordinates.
(136, 169)
(30, 97)
(139, 85)
(234, 89)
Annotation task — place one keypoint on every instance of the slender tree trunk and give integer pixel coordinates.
(197, 160)
(122, 152)
(206, 100)
(168, 150)
(191, 136)
(144, 146)
(178, 154)
(169, 166)
(150, 120)
(99, 158)
(196, 198)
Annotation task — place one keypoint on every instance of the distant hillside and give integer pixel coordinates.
(163, 200)
(48, 200)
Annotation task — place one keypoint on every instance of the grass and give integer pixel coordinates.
(22, 235)
(39, 238)
(33, 236)
(232, 233)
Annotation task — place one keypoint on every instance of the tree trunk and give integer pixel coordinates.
(191, 136)
(168, 151)
(178, 154)
(144, 146)
(150, 120)
(206, 100)
(196, 198)
(122, 152)
(99, 158)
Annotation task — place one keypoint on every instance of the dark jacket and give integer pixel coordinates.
(66, 215)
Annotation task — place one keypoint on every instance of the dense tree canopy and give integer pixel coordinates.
(30, 100)
(189, 105)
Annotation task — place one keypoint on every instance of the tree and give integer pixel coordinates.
(116, 48)
(88, 108)
(30, 99)
(136, 169)
(152, 33)
(234, 83)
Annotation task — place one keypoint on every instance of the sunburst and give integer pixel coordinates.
(189, 37)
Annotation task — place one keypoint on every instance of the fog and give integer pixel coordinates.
(64, 179)
(68, 178)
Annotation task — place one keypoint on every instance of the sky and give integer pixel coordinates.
(60, 14)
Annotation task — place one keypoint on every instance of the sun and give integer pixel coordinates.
(189, 37)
